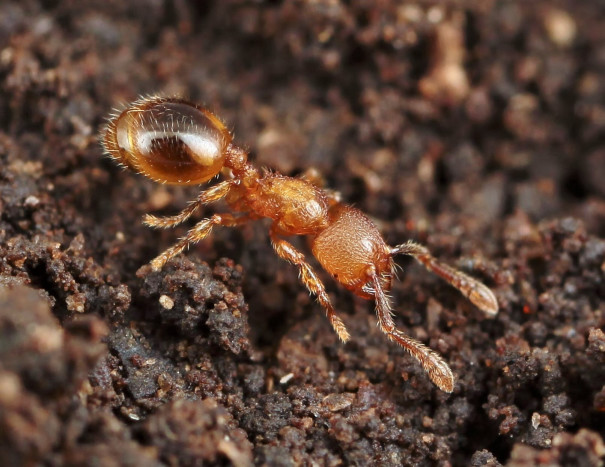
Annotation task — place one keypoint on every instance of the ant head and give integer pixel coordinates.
(168, 140)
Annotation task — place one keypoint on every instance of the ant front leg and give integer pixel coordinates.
(286, 251)
(211, 195)
(314, 177)
(199, 232)
(479, 294)
(439, 372)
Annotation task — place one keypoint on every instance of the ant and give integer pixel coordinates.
(171, 140)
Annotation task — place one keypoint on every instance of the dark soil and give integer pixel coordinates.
(476, 128)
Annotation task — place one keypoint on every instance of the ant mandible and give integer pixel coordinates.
(170, 140)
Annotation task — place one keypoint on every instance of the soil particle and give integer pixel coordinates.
(195, 432)
(583, 448)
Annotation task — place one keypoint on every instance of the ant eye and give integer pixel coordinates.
(168, 140)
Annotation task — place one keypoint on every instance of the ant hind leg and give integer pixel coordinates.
(212, 194)
(200, 231)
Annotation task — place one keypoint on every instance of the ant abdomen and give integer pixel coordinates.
(168, 140)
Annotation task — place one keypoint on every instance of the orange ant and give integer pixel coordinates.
(170, 140)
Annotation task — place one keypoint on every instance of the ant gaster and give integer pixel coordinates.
(170, 140)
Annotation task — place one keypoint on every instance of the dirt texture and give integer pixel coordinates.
(474, 127)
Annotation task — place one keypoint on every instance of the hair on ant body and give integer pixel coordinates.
(170, 140)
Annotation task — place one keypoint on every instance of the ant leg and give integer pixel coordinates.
(212, 194)
(479, 294)
(286, 251)
(439, 372)
(314, 177)
(200, 231)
